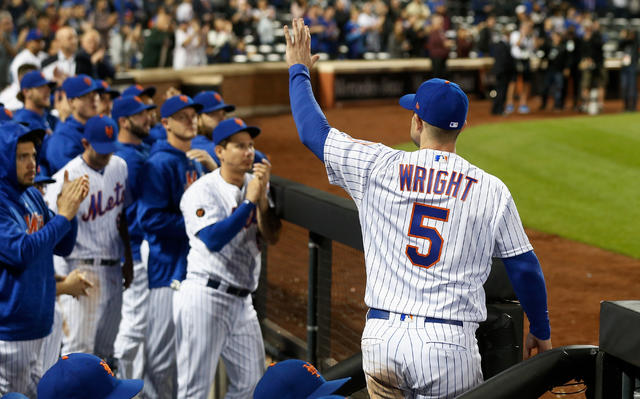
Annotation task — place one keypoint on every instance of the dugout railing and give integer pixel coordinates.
(332, 261)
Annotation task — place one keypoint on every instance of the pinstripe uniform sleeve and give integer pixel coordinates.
(349, 162)
(200, 207)
(510, 237)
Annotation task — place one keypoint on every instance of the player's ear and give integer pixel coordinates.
(85, 144)
(218, 151)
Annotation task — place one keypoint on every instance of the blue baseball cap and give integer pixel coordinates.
(440, 103)
(43, 179)
(177, 103)
(212, 101)
(79, 85)
(102, 133)
(107, 89)
(82, 375)
(295, 379)
(34, 34)
(127, 106)
(5, 114)
(33, 79)
(14, 395)
(231, 126)
(138, 90)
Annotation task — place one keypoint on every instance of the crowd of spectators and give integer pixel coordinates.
(99, 37)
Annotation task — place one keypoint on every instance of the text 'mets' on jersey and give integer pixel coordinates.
(209, 200)
(98, 235)
(431, 222)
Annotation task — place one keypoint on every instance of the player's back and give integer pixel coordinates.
(431, 221)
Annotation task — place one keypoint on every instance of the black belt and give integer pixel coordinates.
(241, 292)
(384, 315)
(92, 261)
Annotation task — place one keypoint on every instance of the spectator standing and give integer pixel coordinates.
(464, 43)
(354, 36)
(438, 46)
(92, 58)
(629, 45)
(7, 48)
(220, 41)
(573, 44)
(594, 75)
(190, 45)
(555, 70)
(32, 54)
(485, 36)
(522, 48)
(158, 46)
(329, 40)
(264, 16)
(397, 43)
(503, 70)
(62, 65)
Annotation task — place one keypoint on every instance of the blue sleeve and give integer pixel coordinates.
(19, 249)
(527, 279)
(155, 213)
(60, 152)
(312, 125)
(66, 244)
(217, 235)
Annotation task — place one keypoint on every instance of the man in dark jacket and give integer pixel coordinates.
(504, 71)
(31, 235)
(556, 70)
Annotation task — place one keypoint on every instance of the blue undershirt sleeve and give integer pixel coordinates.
(527, 279)
(312, 125)
(217, 235)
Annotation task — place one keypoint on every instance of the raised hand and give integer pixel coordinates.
(72, 194)
(203, 157)
(298, 41)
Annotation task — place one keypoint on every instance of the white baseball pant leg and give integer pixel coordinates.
(20, 366)
(209, 324)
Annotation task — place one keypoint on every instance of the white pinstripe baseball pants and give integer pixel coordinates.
(92, 321)
(160, 347)
(20, 366)
(209, 324)
(133, 326)
(52, 342)
(414, 359)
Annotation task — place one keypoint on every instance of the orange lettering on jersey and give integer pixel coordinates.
(191, 177)
(106, 367)
(311, 369)
(34, 222)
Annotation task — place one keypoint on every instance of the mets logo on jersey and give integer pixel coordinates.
(95, 206)
(190, 178)
(34, 222)
(200, 212)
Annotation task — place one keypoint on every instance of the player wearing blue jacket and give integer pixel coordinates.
(35, 93)
(66, 142)
(214, 111)
(29, 236)
(163, 179)
(134, 122)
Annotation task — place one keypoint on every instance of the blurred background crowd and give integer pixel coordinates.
(565, 39)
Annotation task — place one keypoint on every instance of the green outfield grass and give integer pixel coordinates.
(576, 177)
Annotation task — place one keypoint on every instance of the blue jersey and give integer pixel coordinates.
(37, 121)
(65, 144)
(204, 143)
(163, 179)
(29, 236)
(135, 156)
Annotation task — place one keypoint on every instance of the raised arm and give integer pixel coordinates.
(312, 125)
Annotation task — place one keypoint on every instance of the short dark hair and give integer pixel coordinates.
(35, 137)
(223, 143)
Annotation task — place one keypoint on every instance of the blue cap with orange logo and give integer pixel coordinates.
(295, 379)
(113, 93)
(102, 133)
(138, 90)
(212, 101)
(79, 85)
(178, 103)
(440, 103)
(127, 106)
(81, 375)
(34, 34)
(35, 78)
(231, 126)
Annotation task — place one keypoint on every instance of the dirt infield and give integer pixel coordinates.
(578, 276)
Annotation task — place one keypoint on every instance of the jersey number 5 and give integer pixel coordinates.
(417, 229)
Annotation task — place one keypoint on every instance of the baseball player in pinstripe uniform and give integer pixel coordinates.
(226, 214)
(92, 321)
(134, 121)
(163, 179)
(31, 234)
(431, 222)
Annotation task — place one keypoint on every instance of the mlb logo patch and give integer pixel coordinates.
(442, 158)
(453, 125)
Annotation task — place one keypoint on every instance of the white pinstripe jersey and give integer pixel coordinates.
(98, 214)
(207, 201)
(431, 222)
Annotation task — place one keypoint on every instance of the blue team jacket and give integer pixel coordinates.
(135, 156)
(29, 236)
(65, 144)
(157, 132)
(163, 179)
(36, 121)
(204, 143)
